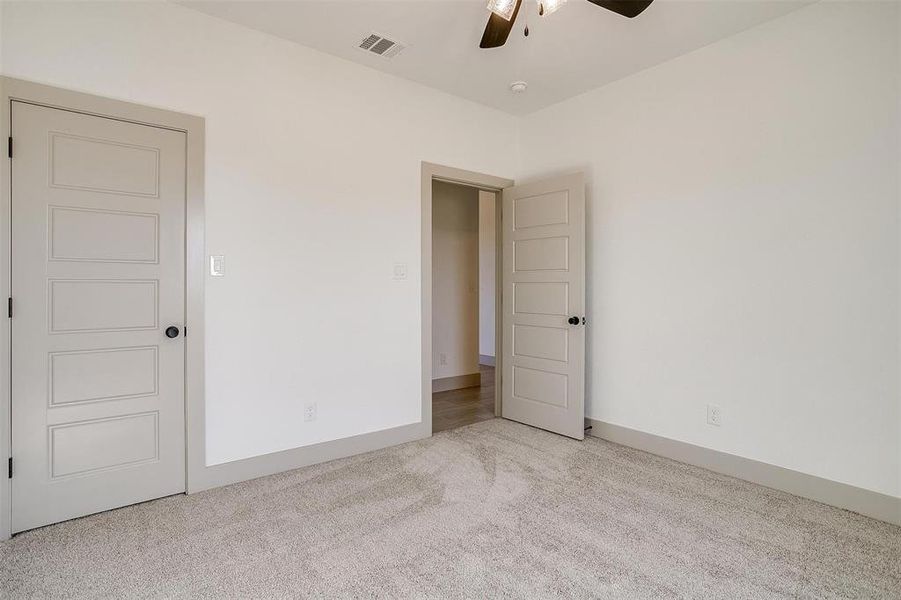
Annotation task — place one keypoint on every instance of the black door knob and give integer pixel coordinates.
(172, 331)
(574, 320)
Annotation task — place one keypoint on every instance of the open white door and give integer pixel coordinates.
(543, 379)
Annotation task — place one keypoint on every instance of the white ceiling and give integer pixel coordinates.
(576, 49)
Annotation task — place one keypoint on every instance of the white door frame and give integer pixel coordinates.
(193, 126)
(433, 172)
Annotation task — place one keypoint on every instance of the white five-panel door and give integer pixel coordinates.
(543, 378)
(98, 227)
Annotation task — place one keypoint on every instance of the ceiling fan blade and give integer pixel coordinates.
(626, 8)
(498, 29)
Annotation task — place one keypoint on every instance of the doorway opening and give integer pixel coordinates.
(464, 281)
(459, 396)
(539, 288)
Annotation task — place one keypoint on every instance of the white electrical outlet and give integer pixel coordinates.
(400, 271)
(714, 415)
(309, 411)
(442, 359)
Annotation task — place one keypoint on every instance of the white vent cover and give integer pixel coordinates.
(376, 43)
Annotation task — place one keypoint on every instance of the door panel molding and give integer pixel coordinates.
(119, 458)
(194, 129)
(543, 377)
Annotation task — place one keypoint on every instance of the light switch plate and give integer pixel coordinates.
(400, 270)
(217, 265)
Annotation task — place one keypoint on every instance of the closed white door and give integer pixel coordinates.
(543, 379)
(98, 211)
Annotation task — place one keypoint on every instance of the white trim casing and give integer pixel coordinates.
(5, 340)
(193, 127)
(433, 172)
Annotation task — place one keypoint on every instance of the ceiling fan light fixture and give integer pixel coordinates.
(502, 8)
(546, 7)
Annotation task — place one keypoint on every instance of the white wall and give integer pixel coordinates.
(487, 272)
(455, 280)
(743, 225)
(313, 193)
(743, 242)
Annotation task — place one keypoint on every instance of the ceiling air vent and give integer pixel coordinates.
(375, 43)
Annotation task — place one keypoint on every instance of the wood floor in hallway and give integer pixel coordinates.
(456, 408)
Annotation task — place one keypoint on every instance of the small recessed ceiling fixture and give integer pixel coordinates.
(518, 87)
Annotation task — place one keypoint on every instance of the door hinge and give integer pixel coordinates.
(9, 147)
(9, 308)
(10, 471)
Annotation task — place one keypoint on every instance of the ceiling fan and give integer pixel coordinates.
(503, 14)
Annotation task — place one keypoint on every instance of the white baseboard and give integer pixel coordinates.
(866, 502)
(259, 466)
(487, 360)
(456, 382)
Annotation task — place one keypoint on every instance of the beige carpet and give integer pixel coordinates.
(492, 510)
